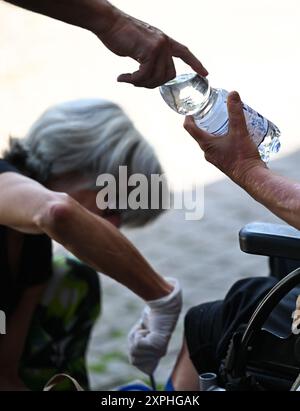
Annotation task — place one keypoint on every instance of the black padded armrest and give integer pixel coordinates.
(273, 240)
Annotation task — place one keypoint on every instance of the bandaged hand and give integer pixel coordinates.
(149, 338)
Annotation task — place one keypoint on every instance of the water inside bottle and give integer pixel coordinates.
(190, 94)
(271, 143)
(187, 94)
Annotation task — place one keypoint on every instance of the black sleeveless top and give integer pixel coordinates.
(35, 264)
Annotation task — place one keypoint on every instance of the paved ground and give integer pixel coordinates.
(203, 254)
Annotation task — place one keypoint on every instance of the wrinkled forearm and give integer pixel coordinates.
(99, 244)
(278, 194)
(29, 207)
(94, 15)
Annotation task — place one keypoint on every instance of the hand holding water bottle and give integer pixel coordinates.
(234, 153)
(191, 94)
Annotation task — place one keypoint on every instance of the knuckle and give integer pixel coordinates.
(182, 50)
(235, 122)
(207, 156)
(208, 150)
(161, 41)
(153, 47)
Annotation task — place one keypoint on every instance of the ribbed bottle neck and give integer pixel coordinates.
(208, 103)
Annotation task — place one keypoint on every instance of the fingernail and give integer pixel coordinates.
(235, 96)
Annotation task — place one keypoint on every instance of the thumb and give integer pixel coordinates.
(201, 136)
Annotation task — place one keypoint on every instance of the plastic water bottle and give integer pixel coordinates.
(190, 94)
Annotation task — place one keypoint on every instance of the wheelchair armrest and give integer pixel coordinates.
(273, 240)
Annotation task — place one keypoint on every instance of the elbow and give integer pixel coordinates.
(55, 214)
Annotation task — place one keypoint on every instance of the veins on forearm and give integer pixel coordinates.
(93, 15)
(278, 194)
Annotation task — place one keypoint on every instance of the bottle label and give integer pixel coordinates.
(223, 129)
(216, 120)
(256, 123)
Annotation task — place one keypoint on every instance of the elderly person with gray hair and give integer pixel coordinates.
(48, 191)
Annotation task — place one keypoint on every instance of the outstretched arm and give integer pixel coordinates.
(88, 14)
(29, 207)
(237, 156)
(123, 35)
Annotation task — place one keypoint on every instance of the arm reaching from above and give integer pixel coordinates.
(237, 156)
(123, 35)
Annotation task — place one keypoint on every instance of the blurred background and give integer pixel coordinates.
(252, 47)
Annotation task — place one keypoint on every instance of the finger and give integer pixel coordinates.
(162, 73)
(139, 77)
(170, 70)
(125, 78)
(135, 330)
(136, 333)
(237, 122)
(188, 57)
(201, 136)
(163, 70)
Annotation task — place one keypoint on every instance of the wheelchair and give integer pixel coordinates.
(257, 359)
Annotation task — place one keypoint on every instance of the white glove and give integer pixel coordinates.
(148, 339)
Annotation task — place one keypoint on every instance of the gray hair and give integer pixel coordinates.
(89, 136)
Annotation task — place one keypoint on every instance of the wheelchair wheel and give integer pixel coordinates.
(257, 359)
